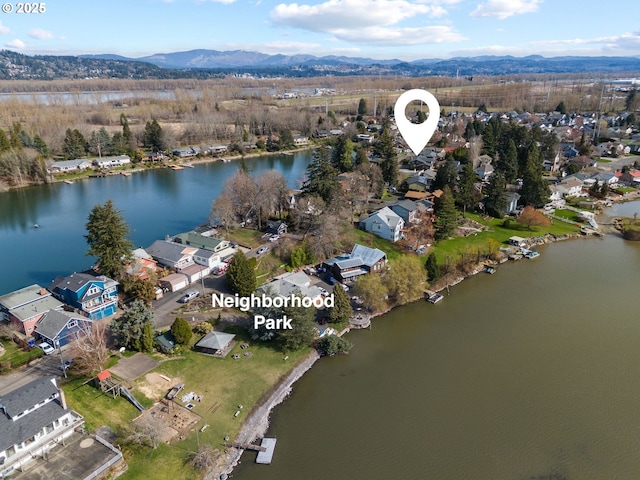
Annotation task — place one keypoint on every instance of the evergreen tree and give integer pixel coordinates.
(14, 136)
(446, 214)
(303, 330)
(495, 202)
(508, 162)
(153, 136)
(361, 156)
(561, 107)
(333, 345)
(466, 192)
(535, 189)
(286, 139)
(385, 149)
(362, 107)
(323, 177)
(40, 145)
(128, 138)
(74, 145)
(447, 174)
(108, 239)
(433, 270)
(341, 155)
(146, 342)
(181, 331)
(129, 328)
(4, 142)
(489, 140)
(341, 310)
(241, 277)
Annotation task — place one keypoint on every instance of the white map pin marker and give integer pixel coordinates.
(417, 135)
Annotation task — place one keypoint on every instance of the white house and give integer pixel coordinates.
(34, 419)
(384, 223)
(110, 162)
(172, 254)
(70, 165)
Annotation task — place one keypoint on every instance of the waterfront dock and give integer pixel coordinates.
(264, 457)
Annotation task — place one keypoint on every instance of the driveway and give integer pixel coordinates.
(46, 366)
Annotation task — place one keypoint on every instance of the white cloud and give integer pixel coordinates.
(4, 29)
(333, 15)
(400, 36)
(505, 8)
(41, 34)
(17, 44)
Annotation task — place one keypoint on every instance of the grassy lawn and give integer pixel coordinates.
(453, 248)
(245, 236)
(17, 356)
(623, 190)
(223, 383)
(372, 241)
(603, 160)
(568, 214)
(268, 266)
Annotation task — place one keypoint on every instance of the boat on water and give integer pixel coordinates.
(176, 167)
(70, 182)
(532, 254)
(490, 270)
(434, 297)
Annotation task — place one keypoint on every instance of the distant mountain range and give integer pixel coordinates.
(213, 63)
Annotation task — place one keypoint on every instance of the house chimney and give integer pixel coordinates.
(43, 291)
(63, 400)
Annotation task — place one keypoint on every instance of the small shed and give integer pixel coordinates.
(165, 342)
(214, 343)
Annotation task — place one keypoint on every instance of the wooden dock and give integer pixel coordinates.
(247, 446)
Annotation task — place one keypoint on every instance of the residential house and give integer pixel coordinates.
(632, 177)
(300, 140)
(361, 261)
(207, 242)
(110, 162)
(407, 209)
(364, 138)
(384, 223)
(172, 254)
(276, 227)
(70, 165)
(60, 328)
(186, 152)
(289, 284)
(608, 178)
(97, 296)
(512, 202)
(24, 307)
(142, 265)
(417, 183)
(484, 171)
(570, 187)
(34, 419)
(218, 149)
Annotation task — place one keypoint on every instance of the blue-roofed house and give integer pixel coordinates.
(97, 296)
(361, 261)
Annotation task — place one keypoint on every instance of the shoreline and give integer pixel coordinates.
(257, 423)
(160, 165)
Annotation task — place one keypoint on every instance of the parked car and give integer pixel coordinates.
(65, 365)
(344, 287)
(190, 295)
(46, 348)
(273, 238)
(261, 250)
(331, 280)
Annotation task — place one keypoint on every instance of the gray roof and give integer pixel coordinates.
(170, 252)
(28, 395)
(37, 307)
(289, 284)
(71, 163)
(369, 256)
(76, 281)
(53, 322)
(21, 400)
(215, 340)
(23, 296)
(408, 205)
(388, 216)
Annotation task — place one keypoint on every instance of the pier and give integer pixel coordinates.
(264, 457)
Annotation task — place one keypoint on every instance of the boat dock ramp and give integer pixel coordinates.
(265, 449)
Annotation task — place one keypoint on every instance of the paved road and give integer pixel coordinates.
(45, 366)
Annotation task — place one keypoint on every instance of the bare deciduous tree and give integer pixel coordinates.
(89, 350)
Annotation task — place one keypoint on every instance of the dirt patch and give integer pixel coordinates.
(155, 385)
(168, 420)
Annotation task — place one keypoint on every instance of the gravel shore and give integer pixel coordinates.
(257, 423)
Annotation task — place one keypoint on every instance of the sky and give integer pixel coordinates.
(379, 29)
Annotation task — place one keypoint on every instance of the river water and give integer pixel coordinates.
(154, 203)
(525, 374)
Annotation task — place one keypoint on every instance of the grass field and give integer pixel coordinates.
(453, 248)
(223, 383)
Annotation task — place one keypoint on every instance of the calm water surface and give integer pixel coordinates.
(154, 204)
(523, 374)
